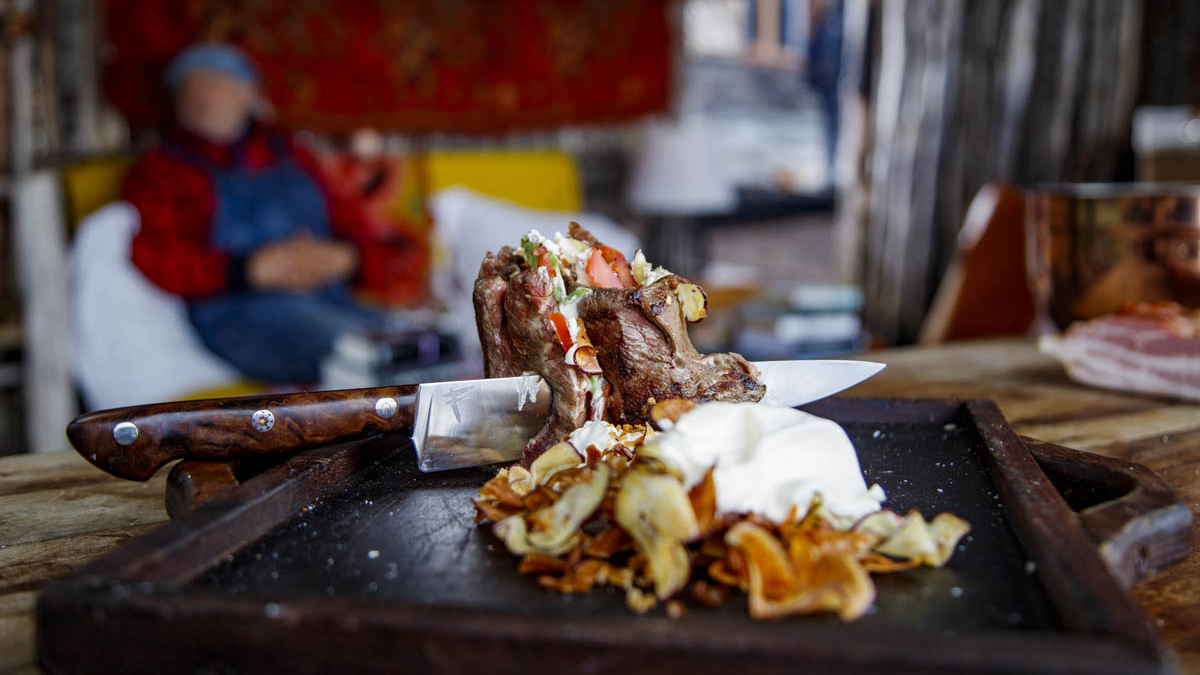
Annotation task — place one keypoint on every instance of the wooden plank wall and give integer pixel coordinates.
(962, 93)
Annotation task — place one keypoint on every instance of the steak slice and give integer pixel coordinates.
(512, 309)
(644, 350)
(491, 287)
(528, 305)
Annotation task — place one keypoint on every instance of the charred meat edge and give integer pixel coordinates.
(644, 350)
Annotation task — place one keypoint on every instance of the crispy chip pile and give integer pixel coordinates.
(616, 518)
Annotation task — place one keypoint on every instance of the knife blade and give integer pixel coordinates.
(452, 424)
(476, 422)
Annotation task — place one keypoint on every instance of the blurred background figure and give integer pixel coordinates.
(235, 219)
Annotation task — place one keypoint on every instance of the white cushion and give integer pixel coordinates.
(469, 225)
(134, 342)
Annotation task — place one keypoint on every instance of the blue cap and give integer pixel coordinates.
(220, 57)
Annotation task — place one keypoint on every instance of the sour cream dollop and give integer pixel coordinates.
(767, 460)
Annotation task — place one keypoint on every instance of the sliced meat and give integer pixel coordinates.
(640, 339)
(644, 350)
(1147, 349)
(499, 358)
(528, 305)
(512, 308)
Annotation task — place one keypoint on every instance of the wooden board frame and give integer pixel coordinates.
(128, 611)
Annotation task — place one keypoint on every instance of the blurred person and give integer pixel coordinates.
(824, 66)
(235, 220)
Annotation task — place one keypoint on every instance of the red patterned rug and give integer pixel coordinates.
(462, 66)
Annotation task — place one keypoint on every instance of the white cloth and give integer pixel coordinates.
(134, 342)
(469, 225)
(39, 256)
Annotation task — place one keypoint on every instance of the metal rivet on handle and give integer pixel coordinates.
(125, 433)
(263, 420)
(386, 407)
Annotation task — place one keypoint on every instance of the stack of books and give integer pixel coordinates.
(804, 321)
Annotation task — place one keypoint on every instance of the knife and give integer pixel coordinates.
(452, 424)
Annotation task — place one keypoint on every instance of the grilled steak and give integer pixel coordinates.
(642, 343)
(638, 333)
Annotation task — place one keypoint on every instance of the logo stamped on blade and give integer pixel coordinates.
(527, 390)
(453, 397)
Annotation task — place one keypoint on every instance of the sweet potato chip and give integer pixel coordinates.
(911, 538)
(553, 525)
(486, 510)
(541, 497)
(609, 542)
(540, 563)
(580, 578)
(874, 562)
(655, 511)
(498, 490)
(827, 582)
(520, 480)
(811, 539)
(562, 480)
(722, 572)
(882, 524)
(704, 502)
(556, 458)
(765, 558)
(947, 529)
(837, 583)
(515, 535)
(670, 410)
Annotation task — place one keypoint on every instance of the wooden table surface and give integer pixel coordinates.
(57, 512)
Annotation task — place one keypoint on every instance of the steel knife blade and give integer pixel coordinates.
(452, 424)
(477, 422)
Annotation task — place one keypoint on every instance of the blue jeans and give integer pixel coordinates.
(275, 337)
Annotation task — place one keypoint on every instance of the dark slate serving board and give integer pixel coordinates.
(404, 535)
(350, 559)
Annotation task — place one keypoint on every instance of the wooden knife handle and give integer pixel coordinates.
(193, 482)
(134, 442)
(1138, 522)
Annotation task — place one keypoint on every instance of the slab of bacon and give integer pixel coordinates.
(1151, 348)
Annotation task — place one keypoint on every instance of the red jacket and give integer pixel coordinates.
(175, 200)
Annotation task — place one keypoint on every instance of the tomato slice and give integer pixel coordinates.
(560, 327)
(617, 261)
(601, 273)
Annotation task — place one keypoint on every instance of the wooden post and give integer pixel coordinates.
(966, 93)
(39, 254)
